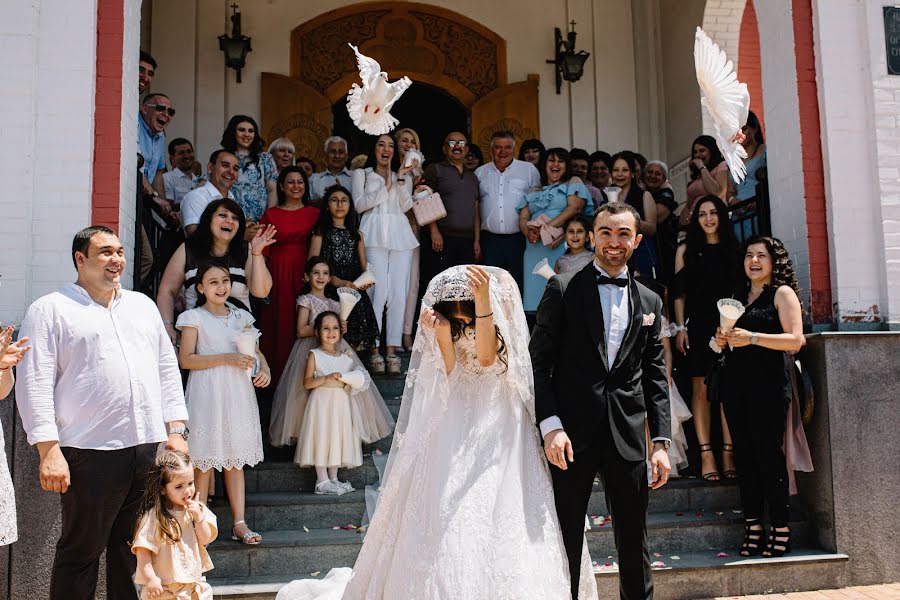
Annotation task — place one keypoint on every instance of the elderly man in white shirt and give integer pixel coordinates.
(224, 169)
(503, 183)
(181, 179)
(98, 393)
(335, 172)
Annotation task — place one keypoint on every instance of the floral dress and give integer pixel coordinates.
(250, 188)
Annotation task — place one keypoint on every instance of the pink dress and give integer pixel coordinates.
(695, 191)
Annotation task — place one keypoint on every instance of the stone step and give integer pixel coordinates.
(287, 551)
(270, 476)
(294, 509)
(694, 575)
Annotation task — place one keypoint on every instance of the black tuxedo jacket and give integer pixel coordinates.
(571, 376)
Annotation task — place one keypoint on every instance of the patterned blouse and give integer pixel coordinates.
(250, 188)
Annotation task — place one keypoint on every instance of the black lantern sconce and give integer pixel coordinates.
(569, 64)
(236, 46)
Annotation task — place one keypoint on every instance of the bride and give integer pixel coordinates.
(466, 508)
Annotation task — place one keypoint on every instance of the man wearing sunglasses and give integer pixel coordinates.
(455, 239)
(156, 113)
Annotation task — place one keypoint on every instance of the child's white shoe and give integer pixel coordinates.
(329, 487)
(345, 485)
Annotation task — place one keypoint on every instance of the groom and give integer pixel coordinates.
(598, 375)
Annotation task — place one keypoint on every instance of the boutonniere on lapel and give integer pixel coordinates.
(648, 320)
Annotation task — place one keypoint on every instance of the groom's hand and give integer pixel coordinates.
(558, 448)
(659, 462)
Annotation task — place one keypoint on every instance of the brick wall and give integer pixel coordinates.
(46, 122)
(749, 68)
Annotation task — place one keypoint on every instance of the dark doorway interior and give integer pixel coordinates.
(429, 110)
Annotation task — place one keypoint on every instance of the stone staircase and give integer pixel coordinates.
(690, 522)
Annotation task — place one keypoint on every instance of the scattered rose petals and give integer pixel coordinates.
(657, 563)
(306, 529)
(721, 555)
(719, 513)
(315, 573)
(679, 514)
(336, 527)
(378, 452)
(597, 521)
(737, 512)
(657, 555)
(698, 514)
(608, 519)
(675, 557)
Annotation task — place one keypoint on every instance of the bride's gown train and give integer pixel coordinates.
(466, 510)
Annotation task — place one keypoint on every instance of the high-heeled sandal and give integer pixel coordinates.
(731, 474)
(250, 537)
(376, 364)
(779, 542)
(709, 475)
(753, 538)
(392, 363)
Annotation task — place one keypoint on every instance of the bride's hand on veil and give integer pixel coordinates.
(434, 321)
(479, 283)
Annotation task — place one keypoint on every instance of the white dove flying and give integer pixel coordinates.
(369, 106)
(726, 99)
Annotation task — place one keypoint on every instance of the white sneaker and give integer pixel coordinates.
(329, 487)
(345, 485)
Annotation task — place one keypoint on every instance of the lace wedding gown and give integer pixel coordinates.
(467, 509)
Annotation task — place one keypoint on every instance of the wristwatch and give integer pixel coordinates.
(665, 443)
(182, 431)
(754, 338)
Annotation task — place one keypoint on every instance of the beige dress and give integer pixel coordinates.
(328, 437)
(179, 565)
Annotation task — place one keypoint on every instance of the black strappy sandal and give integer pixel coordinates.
(730, 474)
(779, 542)
(710, 475)
(753, 538)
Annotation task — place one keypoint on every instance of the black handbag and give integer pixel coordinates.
(713, 380)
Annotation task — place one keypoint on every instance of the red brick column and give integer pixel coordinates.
(749, 66)
(813, 171)
(108, 114)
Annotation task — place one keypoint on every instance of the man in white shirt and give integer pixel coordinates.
(182, 178)
(335, 169)
(503, 183)
(98, 393)
(223, 169)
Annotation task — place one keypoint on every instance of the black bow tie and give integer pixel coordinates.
(604, 280)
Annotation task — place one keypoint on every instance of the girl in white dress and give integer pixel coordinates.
(371, 416)
(10, 354)
(328, 440)
(466, 508)
(222, 410)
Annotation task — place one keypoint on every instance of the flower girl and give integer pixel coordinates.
(220, 398)
(371, 417)
(328, 438)
(172, 533)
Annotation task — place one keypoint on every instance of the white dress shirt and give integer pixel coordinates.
(195, 202)
(178, 183)
(97, 378)
(615, 302)
(319, 182)
(502, 192)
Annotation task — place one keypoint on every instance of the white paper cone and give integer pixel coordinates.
(730, 310)
(543, 269)
(246, 344)
(411, 155)
(349, 297)
(612, 192)
(355, 379)
(364, 279)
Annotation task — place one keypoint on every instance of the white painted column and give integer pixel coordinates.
(46, 122)
(128, 154)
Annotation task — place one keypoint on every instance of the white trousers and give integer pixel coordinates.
(391, 269)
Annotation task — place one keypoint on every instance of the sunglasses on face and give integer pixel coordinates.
(456, 143)
(165, 109)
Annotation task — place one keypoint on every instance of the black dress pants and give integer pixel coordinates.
(457, 251)
(756, 417)
(625, 485)
(99, 512)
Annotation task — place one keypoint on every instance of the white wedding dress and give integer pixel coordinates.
(466, 508)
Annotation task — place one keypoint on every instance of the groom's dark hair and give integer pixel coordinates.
(617, 208)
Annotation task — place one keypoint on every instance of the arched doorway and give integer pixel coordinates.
(443, 51)
(427, 109)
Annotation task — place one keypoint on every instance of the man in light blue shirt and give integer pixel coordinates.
(155, 115)
(335, 169)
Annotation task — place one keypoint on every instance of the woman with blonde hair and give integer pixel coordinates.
(407, 138)
(282, 150)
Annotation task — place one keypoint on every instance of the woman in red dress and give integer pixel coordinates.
(294, 220)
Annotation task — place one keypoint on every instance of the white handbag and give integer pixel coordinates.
(428, 206)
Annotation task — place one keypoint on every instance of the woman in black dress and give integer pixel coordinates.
(757, 390)
(337, 239)
(706, 270)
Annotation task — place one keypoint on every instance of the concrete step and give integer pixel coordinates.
(286, 551)
(694, 575)
(299, 507)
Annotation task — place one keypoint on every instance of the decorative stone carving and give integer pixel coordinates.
(324, 55)
(522, 132)
(306, 133)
